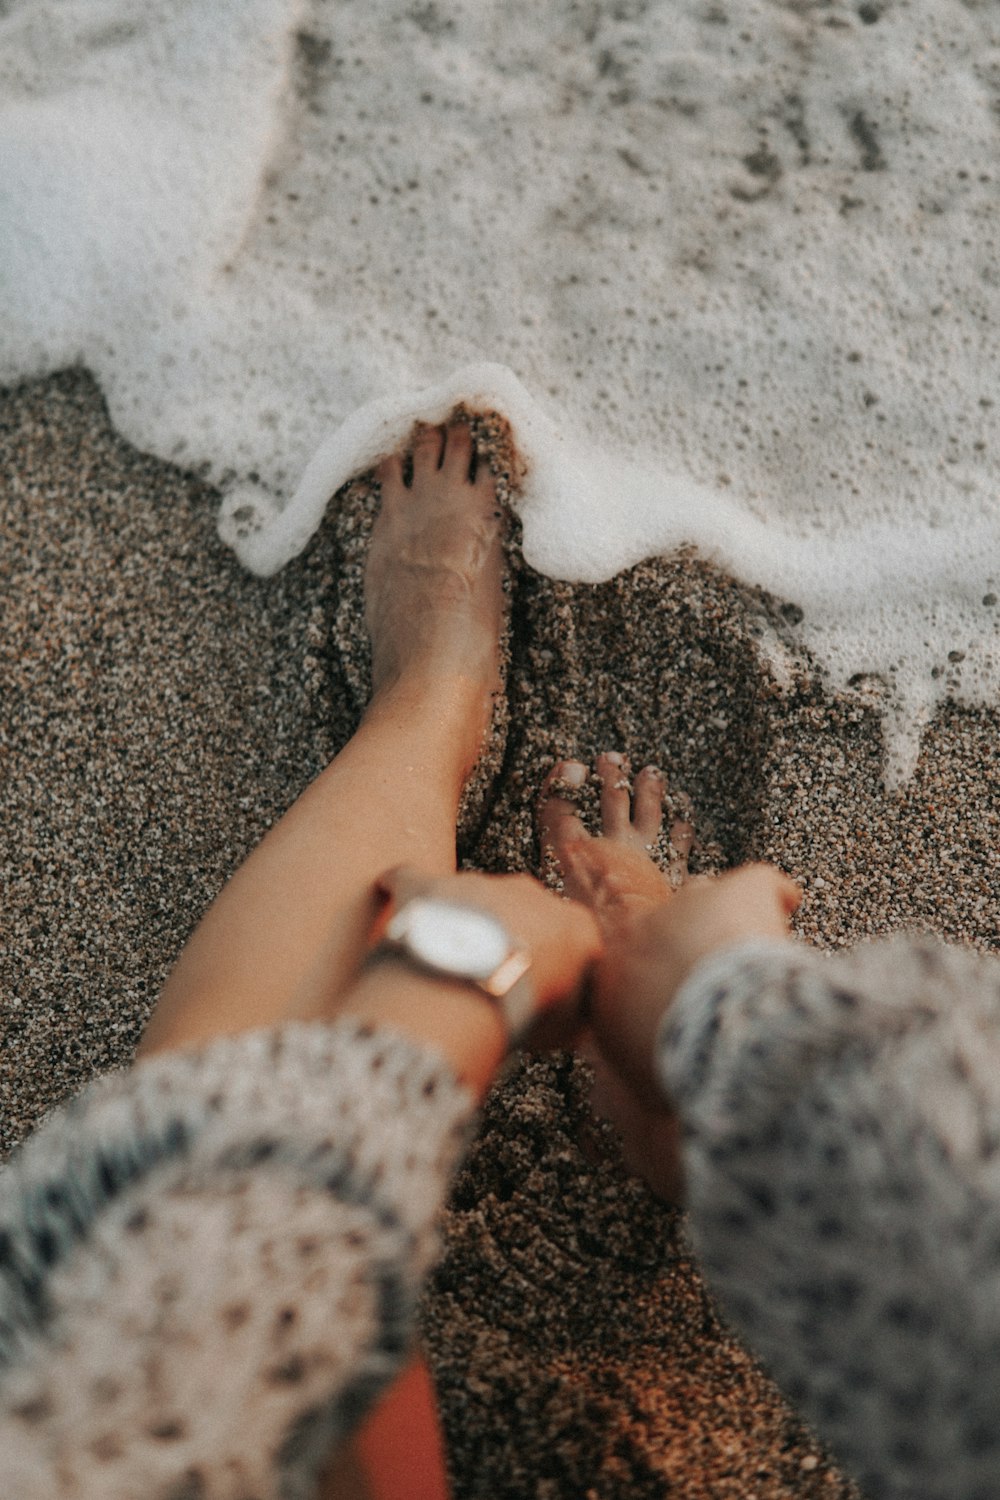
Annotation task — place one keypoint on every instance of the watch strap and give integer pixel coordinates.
(509, 990)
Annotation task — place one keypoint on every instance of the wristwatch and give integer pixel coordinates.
(467, 945)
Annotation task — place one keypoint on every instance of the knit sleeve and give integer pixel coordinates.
(209, 1265)
(841, 1124)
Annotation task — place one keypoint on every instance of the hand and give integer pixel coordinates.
(561, 937)
(638, 977)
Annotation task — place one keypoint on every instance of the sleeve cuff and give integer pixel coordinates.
(698, 1020)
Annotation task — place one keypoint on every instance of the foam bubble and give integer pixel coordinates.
(728, 269)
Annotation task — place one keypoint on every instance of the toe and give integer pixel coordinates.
(647, 814)
(427, 451)
(682, 838)
(457, 460)
(616, 794)
(558, 818)
(390, 473)
(681, 844)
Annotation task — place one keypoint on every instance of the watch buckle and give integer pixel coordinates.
(502, 980)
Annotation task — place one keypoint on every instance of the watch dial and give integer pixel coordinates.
(455, 939)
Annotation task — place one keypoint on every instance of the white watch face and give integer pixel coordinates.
(455, 939)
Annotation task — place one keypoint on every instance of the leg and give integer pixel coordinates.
(433, 592)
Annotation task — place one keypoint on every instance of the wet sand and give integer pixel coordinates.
(159, 708)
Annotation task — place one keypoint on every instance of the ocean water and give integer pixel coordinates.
(730, 267)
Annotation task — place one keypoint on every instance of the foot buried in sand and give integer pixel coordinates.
(614, 874)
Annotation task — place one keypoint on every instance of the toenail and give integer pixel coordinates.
(614, 757)
(572, 772)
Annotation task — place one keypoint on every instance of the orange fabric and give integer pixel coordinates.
(398, 1447)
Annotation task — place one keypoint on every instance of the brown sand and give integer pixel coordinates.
(159, 709)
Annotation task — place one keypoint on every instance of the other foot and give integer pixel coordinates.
(613, 874)
(616, 877)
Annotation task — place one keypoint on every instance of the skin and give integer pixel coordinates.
(654, 935)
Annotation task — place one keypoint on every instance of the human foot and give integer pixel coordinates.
(617, 878)
(434, 597)
(613, 874)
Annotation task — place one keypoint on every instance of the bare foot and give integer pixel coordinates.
(613, 874)
(616, 877)
(434, 596)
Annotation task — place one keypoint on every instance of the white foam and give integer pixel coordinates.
(729, 268)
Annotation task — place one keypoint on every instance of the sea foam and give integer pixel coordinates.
(730, 269)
